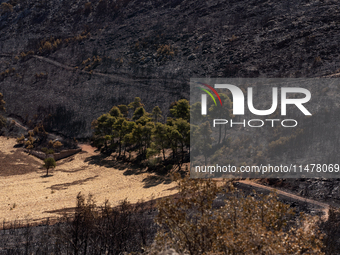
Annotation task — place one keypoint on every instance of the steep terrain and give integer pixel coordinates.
(67, 62)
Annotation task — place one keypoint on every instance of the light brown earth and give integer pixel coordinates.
(26, 194)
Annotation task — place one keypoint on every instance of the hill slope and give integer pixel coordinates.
(73, 60)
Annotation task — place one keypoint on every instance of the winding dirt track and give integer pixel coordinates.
(284, 195)
(127, 79)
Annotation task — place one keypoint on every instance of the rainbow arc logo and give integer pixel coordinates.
(209, 93)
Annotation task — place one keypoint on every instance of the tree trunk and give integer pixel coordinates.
(225, 131)
(120, 148)
(220, 134)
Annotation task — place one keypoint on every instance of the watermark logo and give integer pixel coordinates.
(239, 101)
(239, 104)
(204, 97)
(264, 127)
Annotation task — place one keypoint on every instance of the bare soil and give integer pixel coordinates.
(27, 194)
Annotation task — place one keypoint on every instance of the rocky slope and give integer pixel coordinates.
(67, 62)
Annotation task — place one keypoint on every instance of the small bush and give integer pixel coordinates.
(6, 7)
(91, 63)
(49, 151)
(47, 46)
(21, 139)
(50, 143)
(29, 145)
(165, 50)
(57, 144)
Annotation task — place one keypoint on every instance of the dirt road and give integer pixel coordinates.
(319, 206)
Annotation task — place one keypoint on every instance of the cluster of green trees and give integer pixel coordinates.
(128, 128)
(142, 132)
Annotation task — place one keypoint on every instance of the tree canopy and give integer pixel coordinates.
(49, 163)
(181, 109)
(144, 133)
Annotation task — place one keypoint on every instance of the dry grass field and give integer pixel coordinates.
(27, 194)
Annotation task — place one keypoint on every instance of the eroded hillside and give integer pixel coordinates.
(67, 62)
